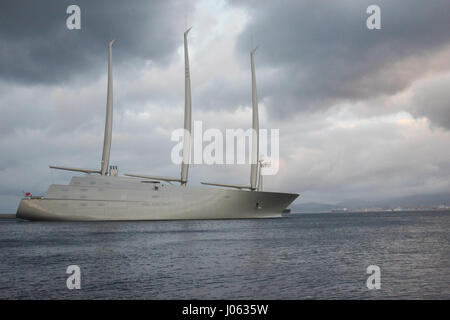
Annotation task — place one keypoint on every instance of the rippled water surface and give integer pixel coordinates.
(303, 256)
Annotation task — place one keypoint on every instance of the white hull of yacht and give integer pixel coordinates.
(106, 198)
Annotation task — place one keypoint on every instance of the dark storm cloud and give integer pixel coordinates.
(37, 47)
(326, 54)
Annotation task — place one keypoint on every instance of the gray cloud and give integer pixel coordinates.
(432, 99)
(326, 55)
(38, 48)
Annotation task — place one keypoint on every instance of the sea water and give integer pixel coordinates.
(300, 256)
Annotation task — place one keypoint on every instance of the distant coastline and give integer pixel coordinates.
(7, 215)
(372, 211)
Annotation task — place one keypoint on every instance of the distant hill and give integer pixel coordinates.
(408, 201)
(312, 207)
(7, 216)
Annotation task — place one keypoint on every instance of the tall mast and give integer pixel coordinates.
(187, 114)
(255, 127)
(109, 115)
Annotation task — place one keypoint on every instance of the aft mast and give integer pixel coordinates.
(187, 114)
(108, 127)
(109, 117)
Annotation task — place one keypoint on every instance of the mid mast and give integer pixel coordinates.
(187, 125)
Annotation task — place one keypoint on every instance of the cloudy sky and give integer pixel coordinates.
(363, 114)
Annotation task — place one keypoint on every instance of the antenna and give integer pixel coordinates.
(255, 126)
(187, 114)
(109, 115)
(260, 163)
